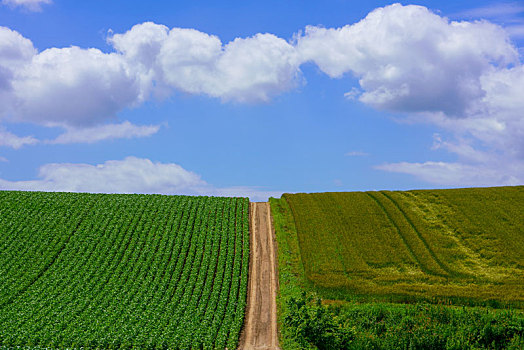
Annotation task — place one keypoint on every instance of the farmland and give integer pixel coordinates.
(398, 270)
(112, 271)
(462, 244)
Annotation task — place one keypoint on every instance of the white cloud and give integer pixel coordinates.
(499, 123)
(187, 59)
(245, 70)
(492, 11)
(142, 43)
(507, 14)
(395, 51)
(256, 69)
(9, 139)
(353, 93)
(464, 77)
(140, 47)
(516, 31)
(489, 145)
(73, 87)
(77, 88)
(15, 52)
(461, 147)
(3, 159)
(31, 5)
(124, 130)
(93, 134)
(356, 154)
(130, 175)
(492, 141)
(409, 59)
(460, 174)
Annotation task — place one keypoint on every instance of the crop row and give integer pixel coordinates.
(120, 271)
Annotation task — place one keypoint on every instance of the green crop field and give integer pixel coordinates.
(459, 243)
(437, 269)
(122, 271)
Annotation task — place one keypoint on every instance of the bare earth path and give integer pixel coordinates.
(260, 328)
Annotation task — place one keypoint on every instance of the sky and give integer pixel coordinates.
(260, 98)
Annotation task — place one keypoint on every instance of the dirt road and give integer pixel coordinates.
(260, 328)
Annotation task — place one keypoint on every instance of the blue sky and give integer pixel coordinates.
(257, 99)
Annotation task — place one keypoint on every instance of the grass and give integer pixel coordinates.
(399, 270)
(291, 273)
(464, 245)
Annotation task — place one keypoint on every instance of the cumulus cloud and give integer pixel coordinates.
(9, 139)
(125, 130)
(257, 68)
(409, 59)
(489, 144)
(31, 5)
(464, 77)
(250, 69)
(15, 52)
(78, 88)
(73, 87)
(395, 52)
(130, 175)
(500, 123)
(126, 176)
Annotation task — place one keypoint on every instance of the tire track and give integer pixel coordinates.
(420, 236)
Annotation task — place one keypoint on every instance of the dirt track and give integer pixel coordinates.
(260, 327)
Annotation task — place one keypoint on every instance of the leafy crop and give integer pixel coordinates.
(115, 271)
(397, 326)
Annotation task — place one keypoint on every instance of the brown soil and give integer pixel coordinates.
(260, 326)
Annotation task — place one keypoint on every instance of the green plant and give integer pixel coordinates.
(122, 271)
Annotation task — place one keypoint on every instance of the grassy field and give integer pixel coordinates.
(438, 269)
(461, 244)
(122, 271)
